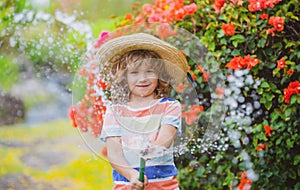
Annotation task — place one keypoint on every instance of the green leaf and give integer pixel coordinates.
(262, 42)
(292, 174)
(220, 34)
(211, 46)
(235, 43)
(274, 116)
(228, 179)
(268, 105)
(293, 99)
(237, 37)
(289, 143)
(200, 171)
(270, 96)
(278, 141)
(288, 112)
(223, 41)
(265, 84)
(235, 52)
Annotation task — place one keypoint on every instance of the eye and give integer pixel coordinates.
(150, 71)
(133, 72)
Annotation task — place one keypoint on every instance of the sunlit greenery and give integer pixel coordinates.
(83, 171)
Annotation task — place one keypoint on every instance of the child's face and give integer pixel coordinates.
(142, 80)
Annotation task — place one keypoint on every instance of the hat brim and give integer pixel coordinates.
(176, 63)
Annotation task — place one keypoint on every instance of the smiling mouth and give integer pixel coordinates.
(142, 86)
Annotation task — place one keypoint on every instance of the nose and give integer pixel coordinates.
(143, 77)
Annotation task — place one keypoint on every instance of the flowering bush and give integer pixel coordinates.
(255, 43)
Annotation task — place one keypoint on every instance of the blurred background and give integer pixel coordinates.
(42, 43)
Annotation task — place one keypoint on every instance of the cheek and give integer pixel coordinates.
(155, 82)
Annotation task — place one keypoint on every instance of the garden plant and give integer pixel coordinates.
(255, 45)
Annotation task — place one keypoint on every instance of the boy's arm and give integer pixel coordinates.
(166, 136)
(118, 162)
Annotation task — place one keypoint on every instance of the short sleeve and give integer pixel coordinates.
(111, 128)
(172, 114)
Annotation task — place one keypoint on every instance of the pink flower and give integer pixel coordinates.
(147, 9)
(164, 30)
(190, 9)
(103, 35)
(234, 1)
(218, 4)
(154, 18)
(271, 31)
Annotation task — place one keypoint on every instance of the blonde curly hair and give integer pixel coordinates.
(118, 88)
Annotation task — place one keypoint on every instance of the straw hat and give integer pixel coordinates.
(176, 63)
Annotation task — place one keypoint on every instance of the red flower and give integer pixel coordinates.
(293, 88)
(245, 183)
(205, 76)
(128, 17)
(250, 62)
(277, 22)
(258, 5)
(290, 72)
(268, 130)
(235, 63)
(228, 29)
(71, 115)
(192, 114)
(101, 84)
(194, 76)
(199, 68)
(180, 88)
(280, 64)
(264, 16)
(218, 4)
(104, 151)
(220, 92)
(238, 63)
(261, 147)
(179, 14)
(166, 11)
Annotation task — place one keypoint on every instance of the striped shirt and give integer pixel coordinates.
(138, 127)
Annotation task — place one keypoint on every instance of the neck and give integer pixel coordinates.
(140, 101)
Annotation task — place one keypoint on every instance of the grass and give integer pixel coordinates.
(82, 170)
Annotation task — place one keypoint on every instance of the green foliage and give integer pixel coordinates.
(277, 164)
(9, 72)
(258, 144)
(83, 171)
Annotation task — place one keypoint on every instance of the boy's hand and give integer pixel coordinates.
(135, 184)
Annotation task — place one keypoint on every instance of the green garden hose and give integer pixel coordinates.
(142, 169)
